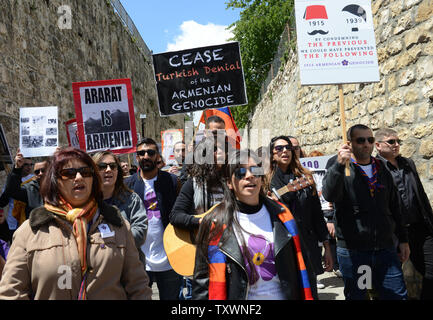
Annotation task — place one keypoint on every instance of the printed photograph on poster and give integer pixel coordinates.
(72, 133)
(105, 115)
(5, 153)
(199, 78)
(168, 139)
(336, 42)
(38, 131)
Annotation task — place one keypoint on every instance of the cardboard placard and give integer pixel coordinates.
(200, 78)
(105, 116)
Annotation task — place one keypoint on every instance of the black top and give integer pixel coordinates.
(247, 209)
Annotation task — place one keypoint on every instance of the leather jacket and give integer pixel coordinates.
(236, 274)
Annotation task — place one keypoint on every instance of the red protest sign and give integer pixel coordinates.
(105, 115)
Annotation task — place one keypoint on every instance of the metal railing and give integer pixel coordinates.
(130, 26)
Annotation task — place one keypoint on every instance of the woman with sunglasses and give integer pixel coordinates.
(203, 188)
(116, 193)
(248, 247)
(304, 204)
(75, 246)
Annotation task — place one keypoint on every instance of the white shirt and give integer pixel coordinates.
(259, 239)
(153, 247)
(368, 169)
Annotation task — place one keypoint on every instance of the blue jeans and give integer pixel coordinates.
(168, 282)
(186, 283)
(386, 273)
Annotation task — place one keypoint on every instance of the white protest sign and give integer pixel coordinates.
(169, 138)
(317, 165)
(336, 42)
(38, 131)
(72, 133)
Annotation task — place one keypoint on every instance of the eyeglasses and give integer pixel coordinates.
(393, 141)
(296, 147)
(361, 140)
(71, 173)
(241, 172)
(150, 152)
(37, 171)
(281, 148)
(103, 166)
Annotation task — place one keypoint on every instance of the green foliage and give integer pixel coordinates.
(258, 31)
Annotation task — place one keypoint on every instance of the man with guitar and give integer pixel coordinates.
(367, 214)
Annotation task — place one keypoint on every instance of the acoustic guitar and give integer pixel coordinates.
(295, 185)
(179, 245)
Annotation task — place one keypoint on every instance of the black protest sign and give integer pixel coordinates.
(5, 153)
(200, 78)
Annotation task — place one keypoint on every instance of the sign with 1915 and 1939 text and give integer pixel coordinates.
(200, 78)
(105, 115)
(336, 42)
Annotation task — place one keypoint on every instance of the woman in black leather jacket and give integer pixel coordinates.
(304, 204)
(245, 251)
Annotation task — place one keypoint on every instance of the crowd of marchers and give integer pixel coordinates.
(80, 226)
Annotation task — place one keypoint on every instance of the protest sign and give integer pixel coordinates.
(72, 133)
(39, 136)
(5, 153)
(336, 42)
(168, 140)
(105, 116)
(200, 78)
(317, 165)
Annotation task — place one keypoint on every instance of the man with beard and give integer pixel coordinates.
(158, 190)
(367, 214)
(415, 203)
(25, 194)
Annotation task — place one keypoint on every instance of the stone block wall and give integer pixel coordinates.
(39, 61)
(402, 100)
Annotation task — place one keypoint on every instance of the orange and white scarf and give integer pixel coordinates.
(79, 217)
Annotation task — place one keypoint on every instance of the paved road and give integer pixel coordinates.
(333, 287)
(332, 291)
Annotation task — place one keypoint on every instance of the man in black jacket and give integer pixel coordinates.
(158, 190)
(417, 210)
(367, 218)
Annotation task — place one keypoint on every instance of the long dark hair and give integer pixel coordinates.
(208, 173)
(50, 192)
(224, 214)
(119, 186)
(295, 165)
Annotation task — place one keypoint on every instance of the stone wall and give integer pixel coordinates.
(39, 61)
(402, 100)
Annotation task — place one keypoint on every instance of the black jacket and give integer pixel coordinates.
(28, 193)
(166, 189)
(236, 275)
(307, 211)
(363, 222)
(411, 174)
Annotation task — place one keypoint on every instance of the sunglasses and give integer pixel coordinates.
(393, 141)
(150, 152)
(103, 166)
(281, 148)
(71, 173)
(361, 140)
(37, 171)
(241, 172)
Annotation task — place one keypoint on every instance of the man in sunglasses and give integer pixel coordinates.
(26, 194)
(368, 220)
(417, 210)
(158, 190)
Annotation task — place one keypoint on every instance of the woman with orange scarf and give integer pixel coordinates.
(75, 246)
